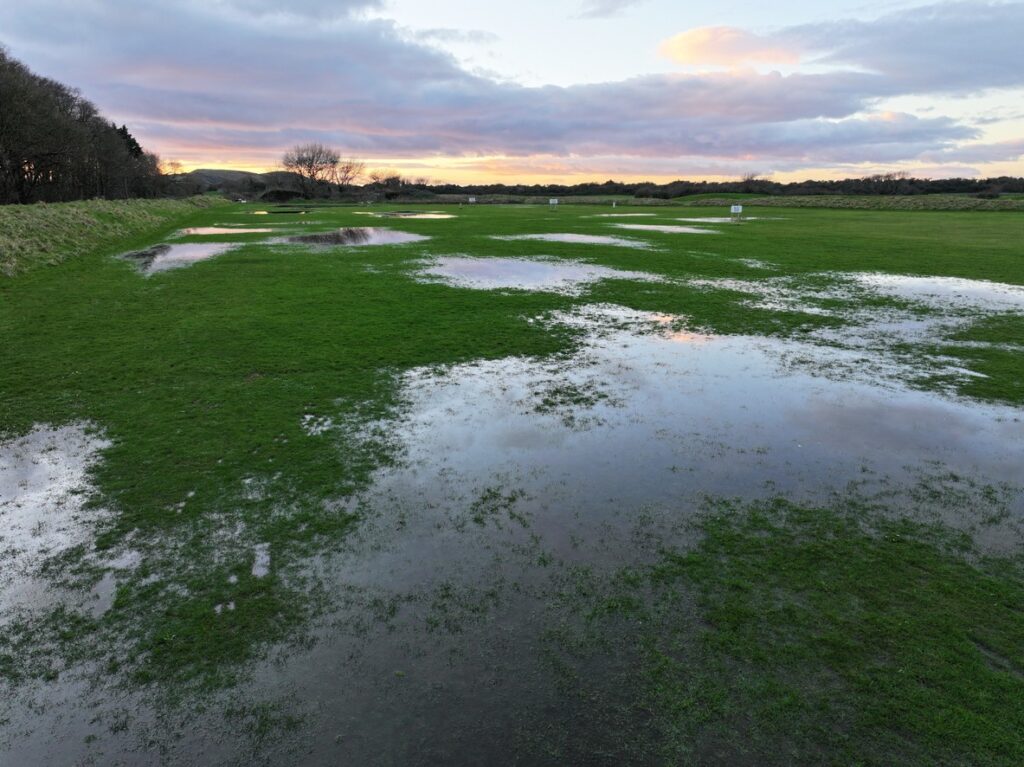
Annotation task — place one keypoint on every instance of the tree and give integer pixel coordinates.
(55, 145)
(346, 172)
(314, 163)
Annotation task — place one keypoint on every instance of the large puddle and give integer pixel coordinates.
(210, 230)
(546, 274)
(161, 258)
(724, 219)
(578, 239)
(666, 228)
(43, 492)
(356, 236)
(521, 480)
(430, 215)
(947, 291)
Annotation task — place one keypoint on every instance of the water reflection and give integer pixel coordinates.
(545, 274)
(666, 228)
(162, 258)
(352, 236)
(210, 230)
(577, 239)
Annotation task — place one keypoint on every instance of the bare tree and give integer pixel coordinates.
(386, 177)
(313, 163)
(172, 167)
(347, 171)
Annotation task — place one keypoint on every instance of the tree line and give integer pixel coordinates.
(55, 146)
(879, 184)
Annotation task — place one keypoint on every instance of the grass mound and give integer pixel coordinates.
(47, 234)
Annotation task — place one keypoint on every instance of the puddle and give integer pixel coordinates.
(951, 305)
(545, 274)
(577, 239)
(209, 230)
(261, 561)
(755, 263)
(666, 228)
(161, 258)
(521, 483)
(357, 236)
(43, 490)
(423, 216)
(947, 292)
(519, 475)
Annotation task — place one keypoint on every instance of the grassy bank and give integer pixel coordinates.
(46, 234)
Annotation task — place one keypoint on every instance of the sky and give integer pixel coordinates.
(550, 91)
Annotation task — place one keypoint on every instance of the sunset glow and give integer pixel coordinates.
(638, 91)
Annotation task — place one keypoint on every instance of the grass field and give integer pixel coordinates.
(304, 454)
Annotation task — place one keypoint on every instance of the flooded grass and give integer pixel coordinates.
(203, 231)
(578, 239)
(545, 274)
(410, 214)
(357, 236)
(162, 258)
(666, 228)
(756, 502)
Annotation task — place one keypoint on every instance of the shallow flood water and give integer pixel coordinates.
(518, 480)
(555, 275)
(947, 291)
(518, 475)
(162, 258)
(357, 236)
(577, 239)
(666, 228)
(429, 215)
(209, 230)
(43, 484)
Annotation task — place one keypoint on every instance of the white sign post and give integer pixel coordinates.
(737, 213)
(553, 201)
(472, 200)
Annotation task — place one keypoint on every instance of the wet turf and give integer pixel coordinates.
(253, 400)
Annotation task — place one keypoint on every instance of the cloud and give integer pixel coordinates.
(725, 46)
(319, 10)
(1000, 151)
(953, 47)
(228, 81)
(600, 9)
(447, 35)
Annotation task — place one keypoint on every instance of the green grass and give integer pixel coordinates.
(817, 640)
(42, 234)
(201, 378)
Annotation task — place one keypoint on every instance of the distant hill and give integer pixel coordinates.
(273, 185)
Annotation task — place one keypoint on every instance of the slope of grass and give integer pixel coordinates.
(46, 234)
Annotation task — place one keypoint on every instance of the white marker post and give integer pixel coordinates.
(737, 213)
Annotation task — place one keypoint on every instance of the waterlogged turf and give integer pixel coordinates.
(505, 491)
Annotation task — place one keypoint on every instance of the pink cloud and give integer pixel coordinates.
(725, 46)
